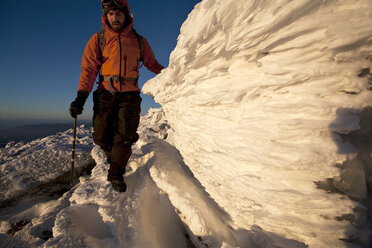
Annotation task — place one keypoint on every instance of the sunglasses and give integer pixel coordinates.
(108, 3)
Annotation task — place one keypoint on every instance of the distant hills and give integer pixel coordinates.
(30, 132)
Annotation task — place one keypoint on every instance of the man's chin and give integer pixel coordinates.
(116, 28)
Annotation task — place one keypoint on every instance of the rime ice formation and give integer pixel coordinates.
(261, 95)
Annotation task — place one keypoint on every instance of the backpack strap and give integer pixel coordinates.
(101, 40)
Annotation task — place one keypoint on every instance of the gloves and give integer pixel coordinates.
(76, 107)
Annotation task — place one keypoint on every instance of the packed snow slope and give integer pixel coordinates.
(262, 96)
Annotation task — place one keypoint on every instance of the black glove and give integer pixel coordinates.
(76, 107)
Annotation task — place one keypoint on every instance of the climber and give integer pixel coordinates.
(115, 53)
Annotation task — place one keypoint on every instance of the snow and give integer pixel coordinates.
(263, 140)
(165, 206)
(92, 214)
(26, 165)
(258, 94)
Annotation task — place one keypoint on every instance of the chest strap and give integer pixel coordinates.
(111, 79)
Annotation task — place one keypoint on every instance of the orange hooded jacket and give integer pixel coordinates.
(120, 57)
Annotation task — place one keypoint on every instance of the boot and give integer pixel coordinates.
(115, 177)
(119, 186)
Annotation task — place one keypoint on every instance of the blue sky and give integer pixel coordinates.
(42, 43)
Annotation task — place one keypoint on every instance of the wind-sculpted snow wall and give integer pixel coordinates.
(261, 95)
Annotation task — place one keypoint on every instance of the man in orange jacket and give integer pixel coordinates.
(117, 101)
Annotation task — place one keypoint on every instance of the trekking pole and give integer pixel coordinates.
(73, 153)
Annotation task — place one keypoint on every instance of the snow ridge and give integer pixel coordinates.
(259, 95)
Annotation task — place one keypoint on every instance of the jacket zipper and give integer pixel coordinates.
(120, 61)
(125, 66)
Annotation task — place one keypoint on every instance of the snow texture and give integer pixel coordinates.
(26, 166)
(165, 206)
(260, 95)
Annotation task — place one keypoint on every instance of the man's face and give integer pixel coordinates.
(116, 19)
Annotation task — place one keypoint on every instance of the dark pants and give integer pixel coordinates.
(115, 122)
